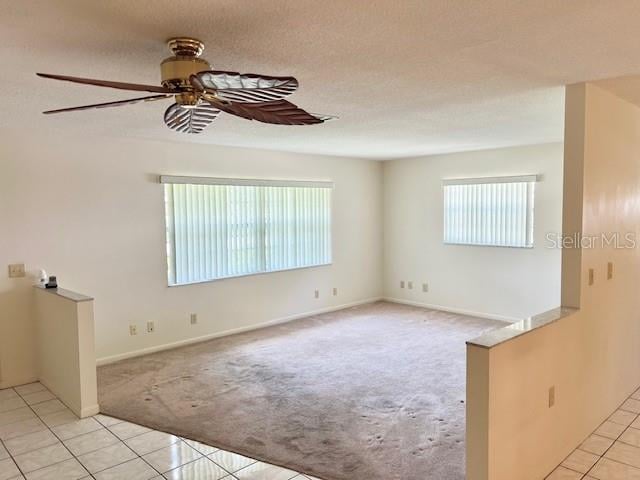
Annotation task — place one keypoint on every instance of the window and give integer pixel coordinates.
(219, 228)
(489, 211)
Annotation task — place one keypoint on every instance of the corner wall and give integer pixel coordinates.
(592, 357)
(90, 210)
(503, 283)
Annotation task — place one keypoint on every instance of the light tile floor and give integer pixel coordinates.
(40, 438)
(612, 451)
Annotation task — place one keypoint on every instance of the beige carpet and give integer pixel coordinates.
(369, 393)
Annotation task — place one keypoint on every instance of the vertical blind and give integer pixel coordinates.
(489, 211)
(218, 228)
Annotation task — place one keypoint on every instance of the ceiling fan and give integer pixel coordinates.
(200, 94)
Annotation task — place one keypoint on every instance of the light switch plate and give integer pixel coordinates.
(194, 318)
(150, 327)
(335, 292)
(317, 293)
(410, 285)
(425, 287)
(401, 283)
(16, 270)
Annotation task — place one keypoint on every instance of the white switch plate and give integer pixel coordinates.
(410, 285)
(133, 330)
(401, 283)
(317, 293)
(16, 270)
(335, 292)
(425, 287)
(194, 318)
(150, 327)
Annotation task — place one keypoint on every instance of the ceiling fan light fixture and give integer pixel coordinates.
(176, 70)
(187, 99)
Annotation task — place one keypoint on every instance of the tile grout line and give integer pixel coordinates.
(119, 439)
(136, 453)
(137, 456)
(229, 475)
(90, 475)
(180, 440)
(626, 430)
(67, 448)
(617, 438)
(611, 459)
(21, 473)
(24, 474)
(593, 433)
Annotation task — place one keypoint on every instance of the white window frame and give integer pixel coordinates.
(476, 227)
(220, 181)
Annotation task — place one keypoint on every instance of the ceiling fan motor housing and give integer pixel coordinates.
(176, 70)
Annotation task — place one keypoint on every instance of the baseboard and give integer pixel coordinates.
(90, 411)
(489, 316)
(17, 382)
(211, 336)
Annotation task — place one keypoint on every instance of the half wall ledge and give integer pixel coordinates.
(504, 334)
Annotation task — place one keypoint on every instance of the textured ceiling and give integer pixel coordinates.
(406, 77)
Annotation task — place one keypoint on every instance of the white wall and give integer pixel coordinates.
(505, 283)
(91, 211)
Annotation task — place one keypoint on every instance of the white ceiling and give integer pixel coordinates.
(406, 78)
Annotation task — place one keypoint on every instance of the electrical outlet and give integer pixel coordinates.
(591, 276)
(552, 396)
(410, 285)
(150, 327)
(133, 330)
(609, 270)
(317, 293)
(425, 287)
(401, 283)
(16, 270)
(193, 318)
(335, 292)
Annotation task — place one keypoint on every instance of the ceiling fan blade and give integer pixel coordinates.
(246, 87)
(118, 103)
(280, 112)
(190, 120)
(324, 117)
(109, 84)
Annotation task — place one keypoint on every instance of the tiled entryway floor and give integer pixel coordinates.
(612, 452)
(40, 438)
